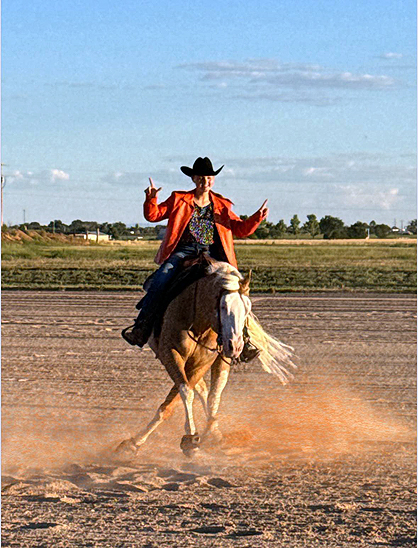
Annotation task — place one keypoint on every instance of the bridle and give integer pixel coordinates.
(219, 344)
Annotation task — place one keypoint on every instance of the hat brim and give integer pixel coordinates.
(187, 171)
(190, 173)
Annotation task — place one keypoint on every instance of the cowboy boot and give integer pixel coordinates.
(139, 334)
(249, 352)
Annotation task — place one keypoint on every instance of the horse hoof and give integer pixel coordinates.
(127, 449)
(190, 444)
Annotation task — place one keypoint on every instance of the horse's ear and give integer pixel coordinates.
(245, 284)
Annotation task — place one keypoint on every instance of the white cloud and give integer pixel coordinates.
(59, 175)
(321, 171)
(271, 80)
(364, 195)
(17, 175)
(228, 171)
(121, 178)
(294, 96)
(270, 74)
(391, 55)
(23, 177)
(220, 85)
(350, 186)
(354, 168)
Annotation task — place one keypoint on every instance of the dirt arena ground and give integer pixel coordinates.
(328, 460)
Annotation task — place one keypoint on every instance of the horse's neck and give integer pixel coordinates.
(206, 303)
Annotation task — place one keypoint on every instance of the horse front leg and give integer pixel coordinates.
(202, 391)
(176, 368)
(219, 378)
(190, 441)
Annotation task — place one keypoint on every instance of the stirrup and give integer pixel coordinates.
(135, 338)
(140, 333)
(124, 331)
(249, 352)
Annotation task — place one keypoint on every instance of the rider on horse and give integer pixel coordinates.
(198, 221)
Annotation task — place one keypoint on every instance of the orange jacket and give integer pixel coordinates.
(178, 209)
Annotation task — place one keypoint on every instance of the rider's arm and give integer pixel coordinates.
(241, 228)
(154, 212)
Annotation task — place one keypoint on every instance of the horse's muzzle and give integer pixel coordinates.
(232, 348)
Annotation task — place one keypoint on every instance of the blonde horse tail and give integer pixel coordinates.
(275, 356)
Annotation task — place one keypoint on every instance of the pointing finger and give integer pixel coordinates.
(151, 184)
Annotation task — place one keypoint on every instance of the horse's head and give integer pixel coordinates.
(234, 307)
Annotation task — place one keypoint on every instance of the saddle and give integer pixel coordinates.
(193, 270)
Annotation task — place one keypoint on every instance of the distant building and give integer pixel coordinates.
(96, 236)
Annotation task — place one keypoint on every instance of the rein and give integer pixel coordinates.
(218, 349)
(219, 346)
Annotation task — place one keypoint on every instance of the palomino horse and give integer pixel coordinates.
(203, 329)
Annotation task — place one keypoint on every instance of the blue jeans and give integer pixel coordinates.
(164, 276)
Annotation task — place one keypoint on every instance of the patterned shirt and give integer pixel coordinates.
(201, 225)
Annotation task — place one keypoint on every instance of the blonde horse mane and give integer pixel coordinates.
(228, 275)
(275, 356)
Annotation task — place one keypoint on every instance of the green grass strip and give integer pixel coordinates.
(267, 279)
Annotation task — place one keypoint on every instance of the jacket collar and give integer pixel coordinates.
(188, 197)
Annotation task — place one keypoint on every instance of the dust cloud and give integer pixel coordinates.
(309, 422)
(259, 424)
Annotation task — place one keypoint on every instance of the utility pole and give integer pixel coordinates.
(24, 216)
(3, 184)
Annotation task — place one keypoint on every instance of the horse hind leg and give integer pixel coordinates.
(131, 445)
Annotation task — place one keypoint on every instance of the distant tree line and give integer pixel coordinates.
(328, 228)
(117, 231)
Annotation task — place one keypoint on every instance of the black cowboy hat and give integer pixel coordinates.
(202, 166)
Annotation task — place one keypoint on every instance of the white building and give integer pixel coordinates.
(97, 236)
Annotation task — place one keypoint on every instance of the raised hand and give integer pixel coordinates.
(263, 210)
(151, 191)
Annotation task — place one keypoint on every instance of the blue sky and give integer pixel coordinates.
(310, 104)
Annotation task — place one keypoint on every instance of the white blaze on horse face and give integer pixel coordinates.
(234, 308)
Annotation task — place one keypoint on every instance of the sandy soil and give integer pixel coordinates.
(327, 461)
